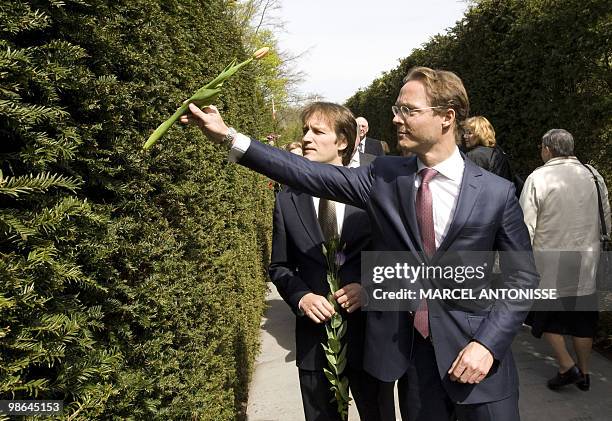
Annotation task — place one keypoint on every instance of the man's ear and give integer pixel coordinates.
(448, 118)
(342, 143)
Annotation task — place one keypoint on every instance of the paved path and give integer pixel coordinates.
(275, 393)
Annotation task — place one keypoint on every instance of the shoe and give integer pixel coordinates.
(585, 383)
(571, 376)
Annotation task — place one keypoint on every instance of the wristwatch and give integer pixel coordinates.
(228, 139)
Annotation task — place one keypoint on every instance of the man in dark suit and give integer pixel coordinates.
(298, 268)
(451, 363)
(366, 144)
(359, 158)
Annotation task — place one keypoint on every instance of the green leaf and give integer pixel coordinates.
(331, 359)
(336, 320)
(333, 283)
(227, 73)
(340, 366)
(39, 183)
(342, 331)
(204, 96)
(343, 388)
(330, 376)
(343, 353)
(334, 344)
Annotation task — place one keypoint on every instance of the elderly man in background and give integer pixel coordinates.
(359, 158)
(366, 144)
(561, 211)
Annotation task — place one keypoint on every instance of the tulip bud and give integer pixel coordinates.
(261, 53)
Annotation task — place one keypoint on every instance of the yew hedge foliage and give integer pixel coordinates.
(131, 283)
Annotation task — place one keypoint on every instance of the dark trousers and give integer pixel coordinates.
(370, 397)
(423, 398)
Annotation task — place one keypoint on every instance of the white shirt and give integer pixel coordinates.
(355, 160)
(444, 188)
(361, 146)
(239, 147)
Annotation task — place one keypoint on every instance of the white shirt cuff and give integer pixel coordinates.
(239, 147)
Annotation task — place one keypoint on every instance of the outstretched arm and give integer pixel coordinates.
(347, 185)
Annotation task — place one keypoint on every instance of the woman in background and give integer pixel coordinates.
(482, 149)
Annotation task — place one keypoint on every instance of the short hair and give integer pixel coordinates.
(559, 142)
(443, 89)
(385, 147)
(293, 145)
(340, 118)
(482, 129)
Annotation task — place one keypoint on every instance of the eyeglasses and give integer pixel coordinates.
(405, 111)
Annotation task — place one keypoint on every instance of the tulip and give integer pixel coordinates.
(207, 94)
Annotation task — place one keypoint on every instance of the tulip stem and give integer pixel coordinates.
(163, 128)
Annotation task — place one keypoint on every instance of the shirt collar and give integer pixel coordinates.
(452, 167)
(361, 146)
(561, 160)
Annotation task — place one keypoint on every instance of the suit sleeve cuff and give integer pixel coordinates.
(496, 356)
(300, 312)
(239, 147)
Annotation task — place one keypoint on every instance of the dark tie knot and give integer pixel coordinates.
(427, 174)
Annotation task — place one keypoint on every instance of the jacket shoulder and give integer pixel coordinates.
(392, 163)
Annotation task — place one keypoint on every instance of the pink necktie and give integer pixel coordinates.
(424, 214)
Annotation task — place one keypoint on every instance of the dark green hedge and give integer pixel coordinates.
(528, 66)
(131, 283)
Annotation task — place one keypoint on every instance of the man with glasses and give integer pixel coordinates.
(449, 364)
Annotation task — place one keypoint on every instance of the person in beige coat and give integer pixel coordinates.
(560, 207)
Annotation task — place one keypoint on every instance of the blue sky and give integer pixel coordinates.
(351, 43)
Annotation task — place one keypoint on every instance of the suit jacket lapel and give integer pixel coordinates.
(348, 232)
(306, 212)
(471, 185)
(406, 196)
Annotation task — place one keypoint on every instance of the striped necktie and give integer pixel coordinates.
(424, 212)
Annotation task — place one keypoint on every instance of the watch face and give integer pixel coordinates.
(231, 133)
